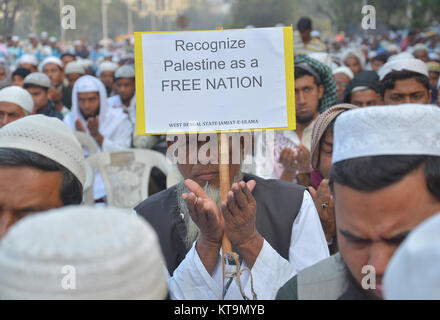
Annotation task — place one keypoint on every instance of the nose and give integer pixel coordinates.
(300, 97)
(380, 255)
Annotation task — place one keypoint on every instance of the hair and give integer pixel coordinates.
(304, 24)
(71, 190)
(381, 57)
(31, 86)
(21, 72)
(389, 82)
(299, 73)
(377, 172)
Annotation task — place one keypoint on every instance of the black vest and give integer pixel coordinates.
(278, 204)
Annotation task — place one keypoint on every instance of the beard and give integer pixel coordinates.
(192, 230)
(86, 117)
(305, 119)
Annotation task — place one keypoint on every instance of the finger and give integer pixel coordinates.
(240, 197)
(232, 203)
(227, 214)
(196, 189)
(190, 201)
(248, 192)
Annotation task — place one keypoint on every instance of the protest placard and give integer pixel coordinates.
(214, 80)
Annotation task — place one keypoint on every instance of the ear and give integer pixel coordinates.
(321, 90)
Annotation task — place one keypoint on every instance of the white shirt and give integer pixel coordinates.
(270, 272)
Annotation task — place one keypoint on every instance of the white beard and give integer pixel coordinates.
(192, 230)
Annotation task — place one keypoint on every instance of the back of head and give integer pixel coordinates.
(82, 253)
(304, 24)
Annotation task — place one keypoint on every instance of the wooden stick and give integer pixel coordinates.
(225, 186)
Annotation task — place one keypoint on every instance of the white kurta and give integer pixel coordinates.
(270, 272)
(114, 126)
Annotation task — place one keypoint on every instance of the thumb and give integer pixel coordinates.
(251, 185)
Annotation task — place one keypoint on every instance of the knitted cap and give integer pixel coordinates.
(74, 67)
(38, 79)
(49, 137)
(125, 72)
(18, 96)
(81, 252)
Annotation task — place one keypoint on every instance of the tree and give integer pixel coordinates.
(9, 10)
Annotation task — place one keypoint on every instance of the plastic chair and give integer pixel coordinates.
(126, 174)
(87, 142)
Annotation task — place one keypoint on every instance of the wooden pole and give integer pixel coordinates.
(225, 186)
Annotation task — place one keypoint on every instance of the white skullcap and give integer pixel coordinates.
(322, 57)
(401, 56)
(414, 65)
(354, 52)
(125, 72)
(18, 96)
(420, 46)
(44, 35)
(52, 39)
(74, 67)
(315, 33)
(86, 84)
(413, 272)
(38, 79)
(107, 66)
(15, 38)
(28, 58)
(49, 60)
(49, 137)
(106, 253)
(345, 70)
(407, 129)
(31, 36)
(77, 43)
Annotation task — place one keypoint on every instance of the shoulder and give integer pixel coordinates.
(275, 184)
(158, 202)
(114, 100)
(289, 291)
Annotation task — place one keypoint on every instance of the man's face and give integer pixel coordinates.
(376, 65)
(307, 96)
(29, 66)
(125, 88)
(305, 35)
(26, 190)
(342, 81)
(206, 173)
(66, 59)
(2, 73)
(407, 91)
(354, 64)
(422, 55)
(10, 112)
(72, 77)
(325, 154)
(18, 81)
(40, 97)
(371, 225)
(107, 78)
(54, 73)
(433, 78)
(89, 103)
(366, 98)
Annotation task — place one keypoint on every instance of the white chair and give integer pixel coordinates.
(87, 142)
(126, 174)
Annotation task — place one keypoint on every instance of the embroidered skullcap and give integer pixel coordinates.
(124, 72)
(413, 272)
(74, 67)
(320, 126)
(49, 137)
(433, 66)
(38, 79)
(345, 70)
(78, 252)
(53, 60)
(414, 65)
(407, 129)
(420, 46)
(18, 96)
(330, 97)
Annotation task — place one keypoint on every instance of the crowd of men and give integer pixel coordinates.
(342, 193)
